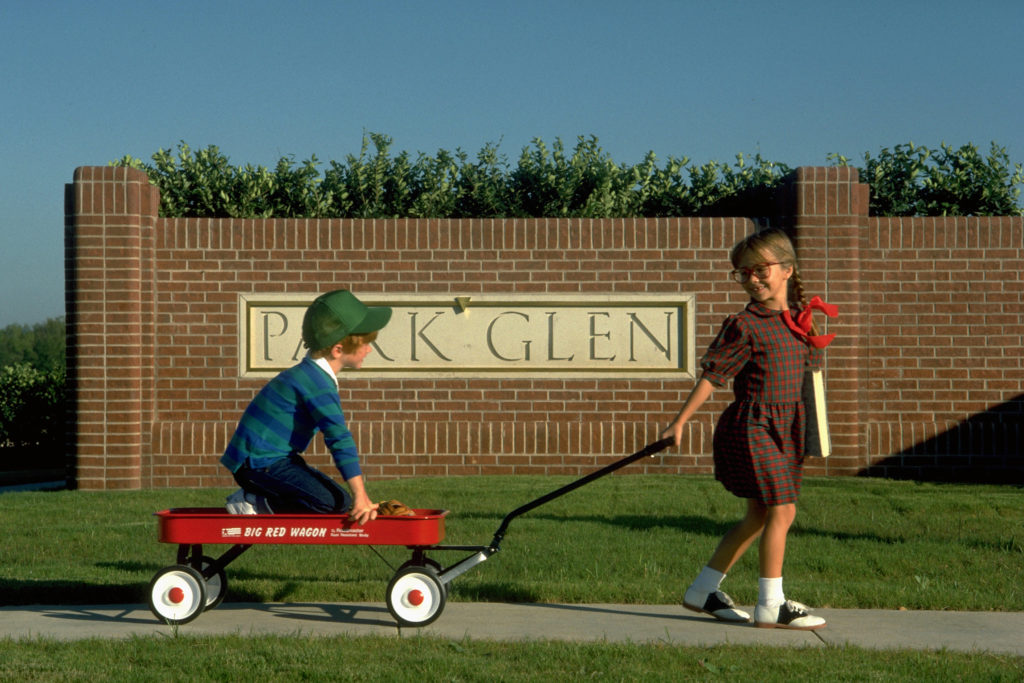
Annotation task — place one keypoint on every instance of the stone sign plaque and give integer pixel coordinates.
(494, 335)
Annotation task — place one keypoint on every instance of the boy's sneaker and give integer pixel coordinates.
(717, 604)
(238, 504)
(260, 503)
(790, 614)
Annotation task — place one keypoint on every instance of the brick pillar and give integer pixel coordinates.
(828, 212)
(109, 222)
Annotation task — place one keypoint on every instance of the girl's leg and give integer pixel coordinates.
(738, 539)
(773, 610)
(772, 551)
(704, 595)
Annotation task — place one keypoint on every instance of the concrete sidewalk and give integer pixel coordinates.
(995, 632)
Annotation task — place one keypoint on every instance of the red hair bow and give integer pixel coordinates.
(802, 325)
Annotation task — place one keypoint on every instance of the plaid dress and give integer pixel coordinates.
(759, 439)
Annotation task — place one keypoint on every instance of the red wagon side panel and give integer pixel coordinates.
(214, 525)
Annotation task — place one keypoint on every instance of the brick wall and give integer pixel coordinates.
(944, 386)
(924, 379)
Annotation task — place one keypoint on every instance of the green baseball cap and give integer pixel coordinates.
(335, 315)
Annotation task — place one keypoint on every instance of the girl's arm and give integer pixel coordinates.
(694, 401)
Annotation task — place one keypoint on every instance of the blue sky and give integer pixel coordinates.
(89, 81)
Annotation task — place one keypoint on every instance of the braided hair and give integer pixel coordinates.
(773, 244)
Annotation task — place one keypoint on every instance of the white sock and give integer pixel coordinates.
(708, 580)
(769, 592)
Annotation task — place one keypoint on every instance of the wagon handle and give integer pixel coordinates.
(649, 450)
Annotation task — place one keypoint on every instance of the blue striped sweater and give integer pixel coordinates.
(286, 415)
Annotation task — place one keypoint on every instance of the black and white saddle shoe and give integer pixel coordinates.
(717, 604)
(790, 614)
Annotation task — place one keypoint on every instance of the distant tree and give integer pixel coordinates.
(40, 346)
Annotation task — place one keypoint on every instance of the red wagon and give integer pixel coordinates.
(179, 593)
(415, 596)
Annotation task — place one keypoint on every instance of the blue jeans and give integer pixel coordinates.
(290, 485)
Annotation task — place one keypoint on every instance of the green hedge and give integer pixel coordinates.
(32, 412)
(555, 182)
(912, 180)
(545, 182)
(32, 397)
(31, 406)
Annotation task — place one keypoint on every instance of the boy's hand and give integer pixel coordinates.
(363, 509)
(363, 512)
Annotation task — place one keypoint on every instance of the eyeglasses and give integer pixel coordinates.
(761, 270)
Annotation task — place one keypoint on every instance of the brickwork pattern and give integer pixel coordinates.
(153, 332)
(946, 328)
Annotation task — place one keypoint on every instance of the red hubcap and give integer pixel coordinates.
(415, 598)
(176, 595)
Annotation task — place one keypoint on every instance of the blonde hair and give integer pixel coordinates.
(773, 244)
(349, 344)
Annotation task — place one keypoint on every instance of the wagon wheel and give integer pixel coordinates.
(433, 564)
(427, 562)
(415, 596)
(216, 585)
(177, 594)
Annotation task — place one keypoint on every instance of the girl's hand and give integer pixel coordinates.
(700, 393)
(675, 432)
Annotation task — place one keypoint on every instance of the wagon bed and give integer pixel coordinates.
(191, 526)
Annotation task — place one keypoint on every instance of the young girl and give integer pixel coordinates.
(759, 439)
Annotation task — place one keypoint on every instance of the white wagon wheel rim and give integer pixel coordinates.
(178, 594)
(415, 596)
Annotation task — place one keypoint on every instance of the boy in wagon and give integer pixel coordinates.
(264, 455)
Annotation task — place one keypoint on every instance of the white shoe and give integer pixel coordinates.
(717, 604)
(238, 504)
(259, 504)
(790, 614)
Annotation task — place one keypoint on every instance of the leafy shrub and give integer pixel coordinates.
(557, 182)
(544, 182)
(32, 405)
(912, 180)
(32, 397)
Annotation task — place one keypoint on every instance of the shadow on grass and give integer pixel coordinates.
(49, 592)
(234, 572)
(52, 592)
(285, 584)
(692, 524)
(701, 526)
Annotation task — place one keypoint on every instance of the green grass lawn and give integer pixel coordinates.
(376, 658)
(628, 539)
(856, 543)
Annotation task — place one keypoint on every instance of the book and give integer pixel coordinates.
(817, 440)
